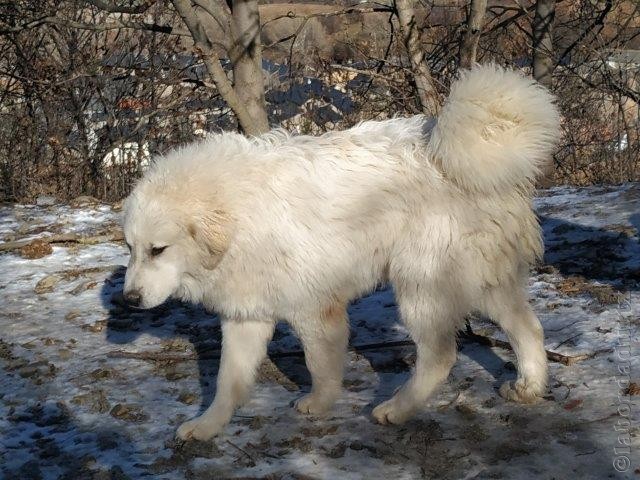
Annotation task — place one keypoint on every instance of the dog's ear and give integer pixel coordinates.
(211, 232)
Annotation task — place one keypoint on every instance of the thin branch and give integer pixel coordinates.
(97, 27)
(113, 8)
(334, 13)
(599, 21)
(552, 356)
(251, 459)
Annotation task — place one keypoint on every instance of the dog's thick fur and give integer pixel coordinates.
(295, 227)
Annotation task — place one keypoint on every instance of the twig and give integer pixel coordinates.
(552, 356)
(117, 236)
(242, 451)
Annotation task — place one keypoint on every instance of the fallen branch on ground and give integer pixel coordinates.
(551, 356)
(211, 354)
(116, 236)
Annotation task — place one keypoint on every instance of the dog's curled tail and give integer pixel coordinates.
(496, 130)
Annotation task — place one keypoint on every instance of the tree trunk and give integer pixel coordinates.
(246, 57)
(543, 58)
(246, 95)
(471, 36)
(427, 94)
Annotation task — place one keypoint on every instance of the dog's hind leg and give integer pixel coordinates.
(509, 308)
(432, 323)
(244, 346)
(325, 339)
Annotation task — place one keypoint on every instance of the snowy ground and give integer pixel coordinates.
(70, 408)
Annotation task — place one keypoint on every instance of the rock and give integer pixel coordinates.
(467, 411)
(46, 284)
(95, 400)
(83, 201)
(64, 354)
(188, 398)
(72, 315)
(6, 350)
(37, 369)
(96, 327)
(36, 249)
(356, 445)
(46, 200)
(28, 371)
(129, 413)
(82, 287)
(337, 451)
(102, 373)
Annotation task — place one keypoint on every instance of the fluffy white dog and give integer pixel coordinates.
(295, 227)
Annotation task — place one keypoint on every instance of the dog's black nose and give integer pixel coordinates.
(133, 298)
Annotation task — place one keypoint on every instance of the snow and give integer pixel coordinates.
(60, 381)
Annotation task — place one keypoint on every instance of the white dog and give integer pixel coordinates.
(295, 227)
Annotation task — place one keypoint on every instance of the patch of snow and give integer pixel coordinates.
(60, 380)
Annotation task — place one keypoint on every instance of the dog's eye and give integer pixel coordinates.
(155, 251)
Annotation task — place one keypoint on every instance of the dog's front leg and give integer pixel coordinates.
(244, 346)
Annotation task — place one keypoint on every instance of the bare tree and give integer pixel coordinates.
(471, 35)
(218, 30)
(427, 94)
(543, 58)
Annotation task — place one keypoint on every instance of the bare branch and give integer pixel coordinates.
(97, 27)
(598, 22)
(143, 6)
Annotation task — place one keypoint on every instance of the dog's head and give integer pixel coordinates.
(172, 241)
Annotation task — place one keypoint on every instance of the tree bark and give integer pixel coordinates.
(245, 96)
(543, 58)
(427, 94)
(246, 58)
(471, 36)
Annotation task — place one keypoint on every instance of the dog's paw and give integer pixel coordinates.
(314, 404)
(199, 429)
(520, 392)
(392, 412)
